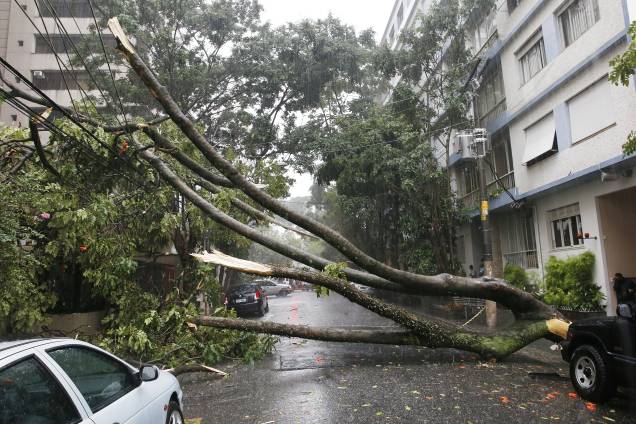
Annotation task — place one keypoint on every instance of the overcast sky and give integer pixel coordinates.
(362, 14)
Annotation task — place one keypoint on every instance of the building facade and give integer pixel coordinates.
(29, 49)
(558, 180)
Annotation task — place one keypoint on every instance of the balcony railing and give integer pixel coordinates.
(493, 113)
(471, 200)
(525, 259)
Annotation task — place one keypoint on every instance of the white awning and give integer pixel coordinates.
(540, 138)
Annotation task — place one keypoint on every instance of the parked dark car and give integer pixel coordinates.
(602, 354)
(247, 299)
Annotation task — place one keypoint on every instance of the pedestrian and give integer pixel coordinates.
(482, 270)
(625, 289)
(471, 271)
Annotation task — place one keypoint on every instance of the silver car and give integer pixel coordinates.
(273, 288)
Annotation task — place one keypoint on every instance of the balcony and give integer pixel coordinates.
(471, 200)
(527, 259)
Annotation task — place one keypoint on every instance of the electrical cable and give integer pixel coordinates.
(65, 34)
(110, 71)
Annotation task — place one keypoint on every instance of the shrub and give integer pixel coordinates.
(516, 276)
(570, 283)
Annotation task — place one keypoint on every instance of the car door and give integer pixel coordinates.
(31, 393)
(111, 389)
(269, 288)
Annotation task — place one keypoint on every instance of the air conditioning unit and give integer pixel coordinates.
(461, 145)
(38, 74)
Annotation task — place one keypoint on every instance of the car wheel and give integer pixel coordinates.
(284, 293)
(261, 310)
(174, 414)
(591, 374)
(267, 307)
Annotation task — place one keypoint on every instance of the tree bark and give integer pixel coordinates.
(428, 332)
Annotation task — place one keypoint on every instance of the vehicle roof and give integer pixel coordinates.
(9, 347)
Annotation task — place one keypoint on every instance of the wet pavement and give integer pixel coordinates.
(318, 382)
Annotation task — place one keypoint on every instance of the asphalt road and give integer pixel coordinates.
(318, 382)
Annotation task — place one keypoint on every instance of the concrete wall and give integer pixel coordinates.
(586, 195)
(570, 158)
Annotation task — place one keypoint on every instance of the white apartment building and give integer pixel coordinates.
(29, 52)
(556, 127)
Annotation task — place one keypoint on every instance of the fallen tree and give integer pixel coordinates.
(535, 319)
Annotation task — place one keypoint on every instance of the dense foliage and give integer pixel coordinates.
(570, 283)
(384, 189)
(94, 238)
(622, 72)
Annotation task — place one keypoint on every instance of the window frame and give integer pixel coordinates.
(124, 365)
(566, 9)
(535, 42)
(556, 227)
(51, 374)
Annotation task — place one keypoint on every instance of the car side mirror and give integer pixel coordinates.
(624, 310)
(148, 373)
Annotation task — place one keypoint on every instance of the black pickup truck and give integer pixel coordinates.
(602, 354)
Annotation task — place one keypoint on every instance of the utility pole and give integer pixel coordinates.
(479, 146)
(480, 149)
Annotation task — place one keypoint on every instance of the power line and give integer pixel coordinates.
(110, 71)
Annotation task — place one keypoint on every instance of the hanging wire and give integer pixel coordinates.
(110, 71)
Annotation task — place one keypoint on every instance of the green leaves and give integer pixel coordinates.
(570, 283)
(622, 72)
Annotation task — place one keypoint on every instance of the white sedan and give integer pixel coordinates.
(65, 381)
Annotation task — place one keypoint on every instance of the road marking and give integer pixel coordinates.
(194, 421)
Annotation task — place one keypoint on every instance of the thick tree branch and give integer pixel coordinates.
(328, 334)
(285, 249)
(431, 333)
(35, 136)
(185, 160)
(252, 211)
(523, 304)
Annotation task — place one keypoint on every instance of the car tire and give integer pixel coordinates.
(261, 310)
(283, 293)
(267, 307)
(174, 416)
(591, 374)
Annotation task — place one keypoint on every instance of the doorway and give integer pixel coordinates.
(617, 216)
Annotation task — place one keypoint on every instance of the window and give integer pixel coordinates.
(483, 31)
(30, 394)
(565, 224)
(65, 8)
(518, 243)
(500, 157)
(100, 378)
(61, 43)
(541, 140)
(20, 43)
(400, 15)
(577, 18)
(512, 5)
(586, 121)
(392, 35)
(490, 100)
(470, 182)
(532, 58)
(53, 80)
